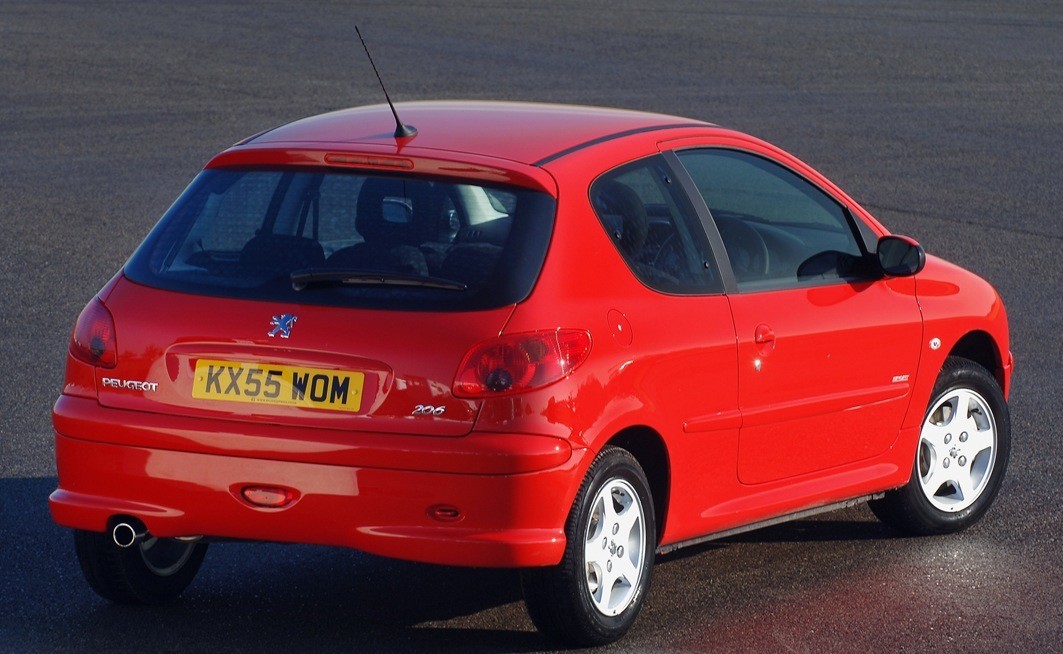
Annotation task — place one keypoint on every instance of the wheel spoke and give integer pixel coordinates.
(938, 476)
(626, 521)
(963, 410)
(966, 485)
(934, 435)
(609, 515)
(595, 552)
(625, 569)
(978, 441)
(605, 588)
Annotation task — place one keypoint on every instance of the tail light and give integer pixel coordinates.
(521, 362)
(93, 339)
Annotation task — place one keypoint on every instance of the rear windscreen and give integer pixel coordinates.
(349, 240)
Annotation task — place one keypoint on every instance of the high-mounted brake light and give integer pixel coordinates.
(521, 362)
(368, 161)
(93, 340)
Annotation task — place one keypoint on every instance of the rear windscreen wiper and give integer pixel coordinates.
(303, 278)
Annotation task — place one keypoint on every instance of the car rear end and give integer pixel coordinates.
(299, 351)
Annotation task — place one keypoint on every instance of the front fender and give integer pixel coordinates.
(955, 304)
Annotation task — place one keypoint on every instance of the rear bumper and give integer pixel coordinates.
(512, 519)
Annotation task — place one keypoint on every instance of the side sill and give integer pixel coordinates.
(844, 504)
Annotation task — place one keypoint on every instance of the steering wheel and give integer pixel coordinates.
(745, 248)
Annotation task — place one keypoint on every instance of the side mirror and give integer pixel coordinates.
(900, 256)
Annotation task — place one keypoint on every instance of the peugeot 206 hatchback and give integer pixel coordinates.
(563, 339)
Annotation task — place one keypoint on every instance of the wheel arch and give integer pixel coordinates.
(647, 446)
(980, 347)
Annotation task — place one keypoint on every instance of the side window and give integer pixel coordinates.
(779, 230)
(654, 228)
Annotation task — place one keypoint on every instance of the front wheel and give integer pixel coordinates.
(594, 595)
(151, 571)
(963, 451)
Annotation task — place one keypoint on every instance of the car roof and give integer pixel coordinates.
(529, 133)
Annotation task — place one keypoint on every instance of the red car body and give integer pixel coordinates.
(742, 407)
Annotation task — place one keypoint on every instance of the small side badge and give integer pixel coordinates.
(282, 325)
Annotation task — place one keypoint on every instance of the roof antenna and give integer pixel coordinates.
(402, 130)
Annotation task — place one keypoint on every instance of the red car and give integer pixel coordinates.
(564, 339)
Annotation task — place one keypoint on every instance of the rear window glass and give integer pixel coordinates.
(344, 239)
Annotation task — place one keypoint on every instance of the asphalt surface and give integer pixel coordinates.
(944, 119)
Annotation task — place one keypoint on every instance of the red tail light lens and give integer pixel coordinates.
(93, 339)
(521, 362)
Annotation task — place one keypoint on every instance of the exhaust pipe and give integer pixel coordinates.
(126, 535)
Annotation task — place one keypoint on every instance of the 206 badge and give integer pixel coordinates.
(282, 325)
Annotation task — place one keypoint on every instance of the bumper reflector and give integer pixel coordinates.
(271, 497)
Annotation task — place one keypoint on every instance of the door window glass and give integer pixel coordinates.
(779, 230)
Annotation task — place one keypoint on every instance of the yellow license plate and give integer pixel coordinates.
(264, 383)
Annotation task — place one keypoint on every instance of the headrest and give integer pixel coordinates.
(625, 215)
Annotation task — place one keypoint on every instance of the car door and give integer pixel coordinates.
(827, 347)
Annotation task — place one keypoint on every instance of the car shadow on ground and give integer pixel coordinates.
(825, 530)
(853, 525)
(262, 596)
(251, 597)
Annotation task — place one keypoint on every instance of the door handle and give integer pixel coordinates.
(763, 335)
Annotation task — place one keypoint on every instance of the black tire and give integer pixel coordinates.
(152, 571)
(908, 508)
(559, 598)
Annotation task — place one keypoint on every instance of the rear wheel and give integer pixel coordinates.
(963, 452)
(151, 571)
(594, 595)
